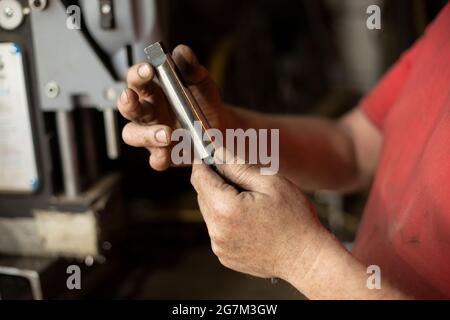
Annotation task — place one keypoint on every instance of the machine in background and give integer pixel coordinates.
(62, 67)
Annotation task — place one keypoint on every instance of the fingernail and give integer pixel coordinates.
(161, 136)
(124, 96)
(144, 71)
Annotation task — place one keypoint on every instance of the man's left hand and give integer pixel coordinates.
(267, 230)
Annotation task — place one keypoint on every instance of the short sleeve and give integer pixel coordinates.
(377, 103)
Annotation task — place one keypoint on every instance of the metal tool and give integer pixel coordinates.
(186, 108)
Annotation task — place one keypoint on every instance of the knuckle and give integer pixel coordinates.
(193, 179)
(218, 239)
(224, 187)
(224, 209)
(216, 249)
(195, 176)
(131, 75)
(245, 197)
(145, 91)
(148, 137)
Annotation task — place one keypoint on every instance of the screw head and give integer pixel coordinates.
(106, 8)
(37, 5)
(89, 261)
(52, 90)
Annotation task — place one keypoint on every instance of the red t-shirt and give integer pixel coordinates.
(406, 225)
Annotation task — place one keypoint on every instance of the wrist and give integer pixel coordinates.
(304, 256)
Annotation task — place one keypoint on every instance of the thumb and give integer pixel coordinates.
(247, 176)
(200, 82)
(191, 69)
(209, 184)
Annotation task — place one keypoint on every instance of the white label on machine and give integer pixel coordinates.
(18, 170)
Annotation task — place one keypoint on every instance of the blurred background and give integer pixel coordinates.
(71, 193)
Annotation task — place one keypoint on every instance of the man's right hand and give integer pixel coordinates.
(151, 119)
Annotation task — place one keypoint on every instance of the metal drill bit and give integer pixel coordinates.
(183, 103)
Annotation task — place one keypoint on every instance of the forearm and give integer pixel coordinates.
(326, 270)
(315, 153)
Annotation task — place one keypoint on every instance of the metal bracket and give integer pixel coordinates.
(107, 19)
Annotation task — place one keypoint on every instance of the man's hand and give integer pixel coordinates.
(265, 231)
(151, 118)
(271, 230)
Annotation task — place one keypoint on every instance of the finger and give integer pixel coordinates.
(137, 135)
(209, 185)
(140, 78)
(160, 159)
(134, 110)
(218, 199)
(186, 60)
(247, 176)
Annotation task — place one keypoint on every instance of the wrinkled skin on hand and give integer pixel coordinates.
(262, 231)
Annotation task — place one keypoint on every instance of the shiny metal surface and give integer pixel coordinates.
(68, 153)
(184, 105)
